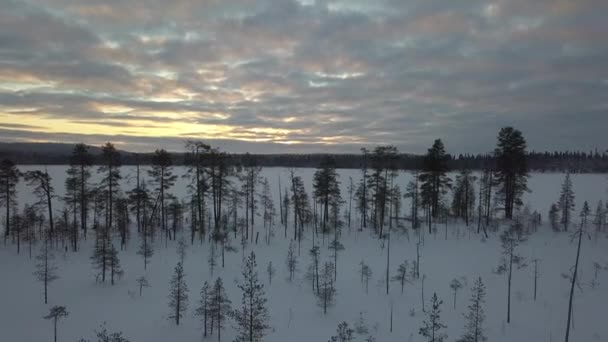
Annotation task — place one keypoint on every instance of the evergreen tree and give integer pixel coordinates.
(600, 217)
(204, 307)
(326, 293)
(9, 177)
(511, 238)
(195, 159)
(252, 320)
(566, 202)
(455, 285)
(464, 196)
(292, 260)
(343, 334)
(162, 175)
(366, 274)
(326, 188)
(102, 253)
(271, 271)
(474, 331)
(56, 313)
(46, 271)
(178, 294)
(511, 169)
(110, 170)
(411, 192)
(43, 189)
(219, 306)
(142, 282)
(114, 263)
(434, 181)
(80, 165)
(554, 217)
(432, 326)
(402, 275)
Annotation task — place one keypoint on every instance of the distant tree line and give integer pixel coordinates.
(572, 161)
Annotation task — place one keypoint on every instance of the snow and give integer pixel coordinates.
(295, 315)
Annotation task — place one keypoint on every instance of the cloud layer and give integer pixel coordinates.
(305, 76)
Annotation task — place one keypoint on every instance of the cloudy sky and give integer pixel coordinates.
(305, 76)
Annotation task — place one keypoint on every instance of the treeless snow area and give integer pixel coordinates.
(295, 315)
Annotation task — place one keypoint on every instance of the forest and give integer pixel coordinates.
(104, 245)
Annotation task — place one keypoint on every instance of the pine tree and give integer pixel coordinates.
(43, 189)
(411, 192)
(9, 177)
(56, 313)
(566, 202)
(114, 264)
(402, 275)
(455, 285)
(80, 164)
(474, 331)
(162, 175)
(292, 260)
(46, 271)
(366, 274)
(434, 181)
(600, 217)
(195, 159)
(204, 307)
(142, 282)
(511, 238)
(102, 253)
(463, 202)
(432, 326)
(554, 217)
(110, 170)
(178, 294)
(219, 306)
(252, 320)
(326, 188)
(511, 169)
(314, 254)
(271, 271)
(343, 334)
(327, 292)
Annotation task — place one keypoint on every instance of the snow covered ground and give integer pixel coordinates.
(295, 315)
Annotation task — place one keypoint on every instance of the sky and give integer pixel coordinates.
(293, 76)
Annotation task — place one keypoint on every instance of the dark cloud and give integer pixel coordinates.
(278, 75)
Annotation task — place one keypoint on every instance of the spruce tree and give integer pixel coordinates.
(178, 294)
(253, 317)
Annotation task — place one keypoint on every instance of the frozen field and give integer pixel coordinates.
(295, 315)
